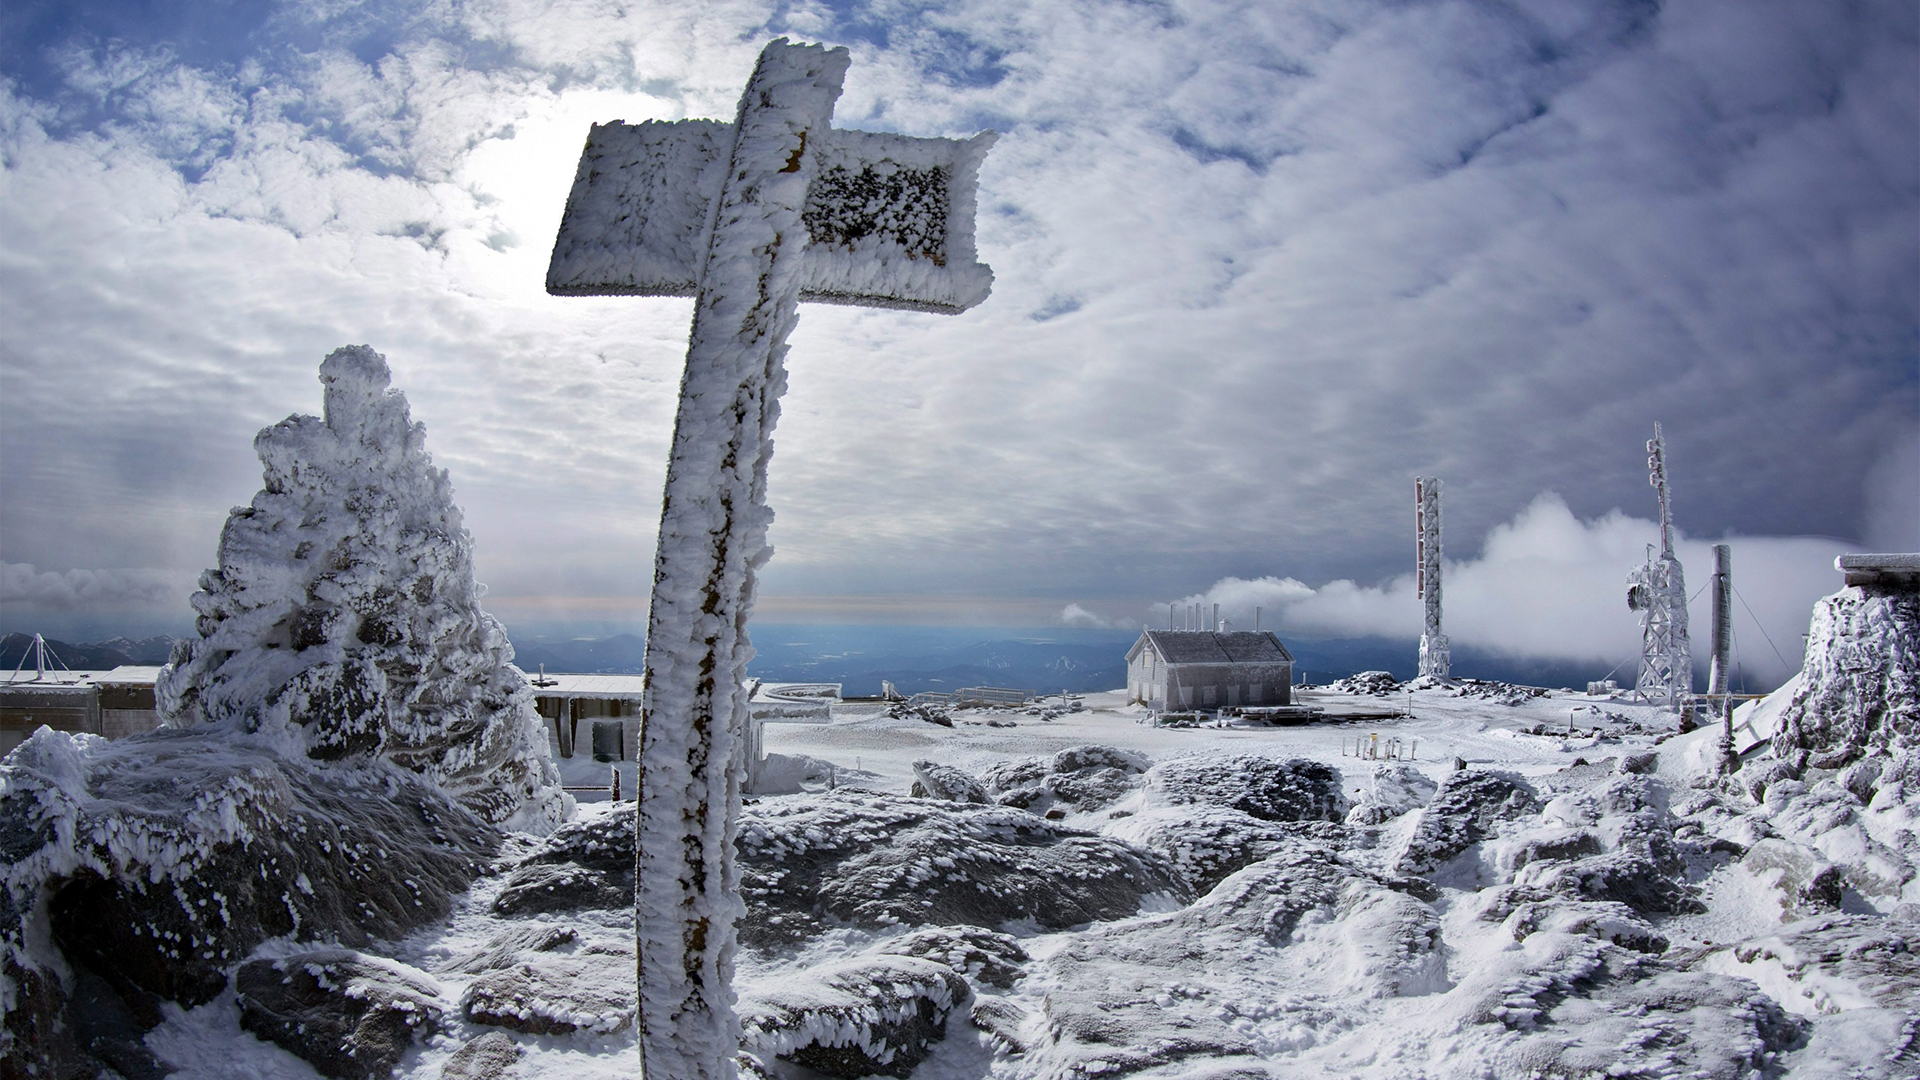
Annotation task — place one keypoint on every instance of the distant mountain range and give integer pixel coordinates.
(16, 652)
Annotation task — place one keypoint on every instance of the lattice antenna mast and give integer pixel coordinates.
(1435, 658)
(1658, 591)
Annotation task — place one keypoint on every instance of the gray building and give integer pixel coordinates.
(1204, 669)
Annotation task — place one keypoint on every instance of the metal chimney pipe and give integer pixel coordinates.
(1216, 618)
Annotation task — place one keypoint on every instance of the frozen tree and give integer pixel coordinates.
(344, 621)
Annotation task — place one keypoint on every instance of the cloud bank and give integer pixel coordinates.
(1550, 585)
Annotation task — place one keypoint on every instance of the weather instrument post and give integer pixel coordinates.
(749, 218)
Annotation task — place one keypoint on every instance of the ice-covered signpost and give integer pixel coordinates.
(749, 218)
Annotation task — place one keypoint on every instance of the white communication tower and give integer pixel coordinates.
(1434, 657)
(1658, 591)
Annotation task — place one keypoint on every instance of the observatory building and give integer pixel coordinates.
(1207, 669)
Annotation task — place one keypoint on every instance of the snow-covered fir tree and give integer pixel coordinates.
(343, 620)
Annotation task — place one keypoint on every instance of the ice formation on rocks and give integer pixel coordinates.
(351, 1014)
(870, 1016)
(343, 620)
(1859, 694)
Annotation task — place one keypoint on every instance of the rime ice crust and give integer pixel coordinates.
(1859, 693)
(344, 621)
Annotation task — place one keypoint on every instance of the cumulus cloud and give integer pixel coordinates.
(1256, 266)
(1075, 615)
(1550, 585)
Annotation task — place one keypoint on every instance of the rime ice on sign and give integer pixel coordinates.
(343, 620)
(750, 218)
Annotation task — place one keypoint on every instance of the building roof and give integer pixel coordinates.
(588, 686)
(1209, 647)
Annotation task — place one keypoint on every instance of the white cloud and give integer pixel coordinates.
(1550, 585)
(1256, 266)
(23, 586)
(1075, 615)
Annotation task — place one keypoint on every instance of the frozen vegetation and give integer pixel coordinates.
(347, 855)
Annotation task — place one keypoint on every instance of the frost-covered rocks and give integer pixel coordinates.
(870, 1016)
(933, 780)
(485, 1058)
(1303, 934)
(1204, 843)
(347, 1014)
(1859, 693)
(343, 621)
(871, 860)
(1464, 810)
(160, 860)
(556, 993)
(1077, 778)
(1612, 843)
(1270, 789)
(980, 955)
(1390, 790)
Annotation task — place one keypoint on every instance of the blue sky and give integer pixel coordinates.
(1258, 265)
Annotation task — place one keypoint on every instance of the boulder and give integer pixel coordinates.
(1391, 790)
(587, 863)
(872, 860)
(1859, 691)
(1638, 863)
(1303, 927)
(980, 955)
(933, 780)
(1806, 883)
(1465, 809)
(557, 993)
(1204, 843)
(485, 1058)
(1270, 789)
(160, 860)
(1077, 778)
(343, 621)
(347, 1014)
(870, 1016)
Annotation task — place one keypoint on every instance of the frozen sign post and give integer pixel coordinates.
(749, 218)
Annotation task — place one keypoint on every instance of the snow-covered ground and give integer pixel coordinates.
(1318, 950)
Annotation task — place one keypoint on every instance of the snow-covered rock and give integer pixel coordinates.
(869, 1016)
(347, 1014)
(1078, 778)
(978, 954)
(557, 993)
(343, 620)
(161, 860)
(1304, 935)
(1859, 692)
(1391, 789)
(1205, 843)
(485, 1058)
(1465, 809)
(1611, 843)
(873, 860)
(588, 863)
(933, 780)
(1270, 789)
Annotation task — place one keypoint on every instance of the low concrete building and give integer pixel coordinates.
(1206, 669)
(111, 703)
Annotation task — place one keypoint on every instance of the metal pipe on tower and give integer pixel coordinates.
(1436, 660)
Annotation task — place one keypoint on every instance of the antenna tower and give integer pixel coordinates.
(1435, 659)
(1658, 591)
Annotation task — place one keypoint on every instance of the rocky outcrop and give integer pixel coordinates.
(1270, 789)
(1465, 810)
(985, 956)
(1389, 791)
(159, 861)
(1859, 692)
(932, 780)
(556, 993)
(349, 1015)
(485, 1058)
(871, 860)
(586, 863)
(343, 621)
(1205, 844)
(1077, 778)
(870, 1016)
(1613, 843)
